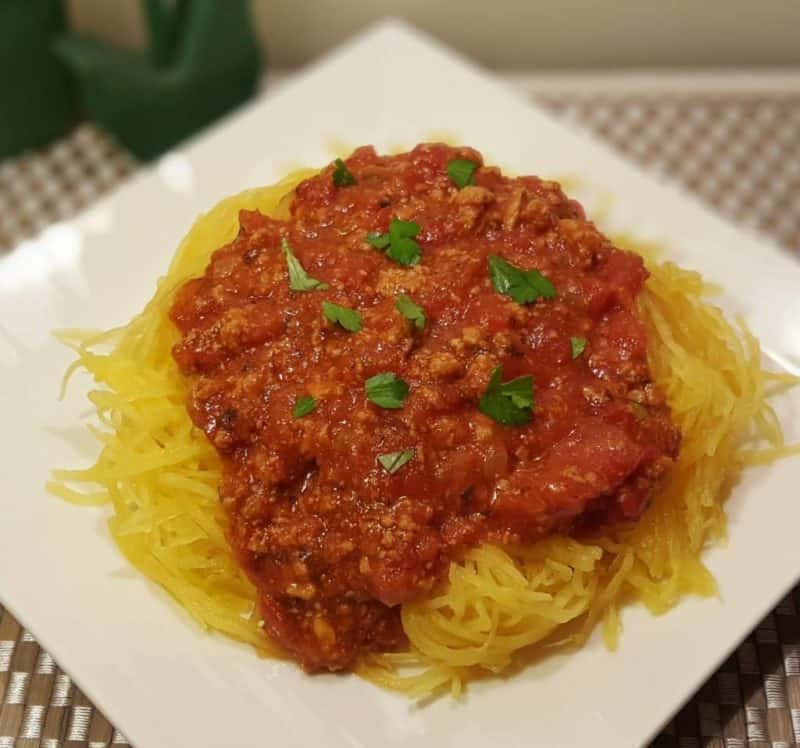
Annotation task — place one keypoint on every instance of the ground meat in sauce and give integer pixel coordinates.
(334, 542)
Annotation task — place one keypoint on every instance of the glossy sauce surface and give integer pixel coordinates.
(332, 540)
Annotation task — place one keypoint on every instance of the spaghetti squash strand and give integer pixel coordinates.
(711, 372)
(158, 471)
(160, 475)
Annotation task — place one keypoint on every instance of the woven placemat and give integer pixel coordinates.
(740, 153)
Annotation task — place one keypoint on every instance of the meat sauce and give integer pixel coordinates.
(333, 541)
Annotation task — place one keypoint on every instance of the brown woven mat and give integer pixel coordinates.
(739, 153)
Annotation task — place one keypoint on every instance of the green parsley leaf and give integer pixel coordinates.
(303, 406)
(398, 228)
(341, 174)
(411, 311)
(391, 462)
(508, 403)
(402, 247)
(379, 241)
(404, 251)
(386, 390)
(523, 286)
(299, 279)
(462, 172)
(349, 319)
(399, 242)
(577, 346)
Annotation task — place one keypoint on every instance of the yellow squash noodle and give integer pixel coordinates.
(160, 475)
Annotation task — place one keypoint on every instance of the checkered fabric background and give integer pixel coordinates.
(740, 153)
(57, 182)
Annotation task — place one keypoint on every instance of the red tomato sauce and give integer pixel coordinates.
(332, 540)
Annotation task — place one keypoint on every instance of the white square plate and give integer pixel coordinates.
(166, 683)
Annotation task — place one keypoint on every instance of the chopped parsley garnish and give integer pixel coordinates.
(349, 319)
(386, 390)
(341, 174)
(303, 406)
(509, 403)
(461, 172)
(399, 242)
(577, 346)
(411, 311)
(523, 286)
(299, 279)
(391, 462)
(379, 241)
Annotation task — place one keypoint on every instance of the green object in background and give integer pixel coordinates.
(201, 62)
(36, 96)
